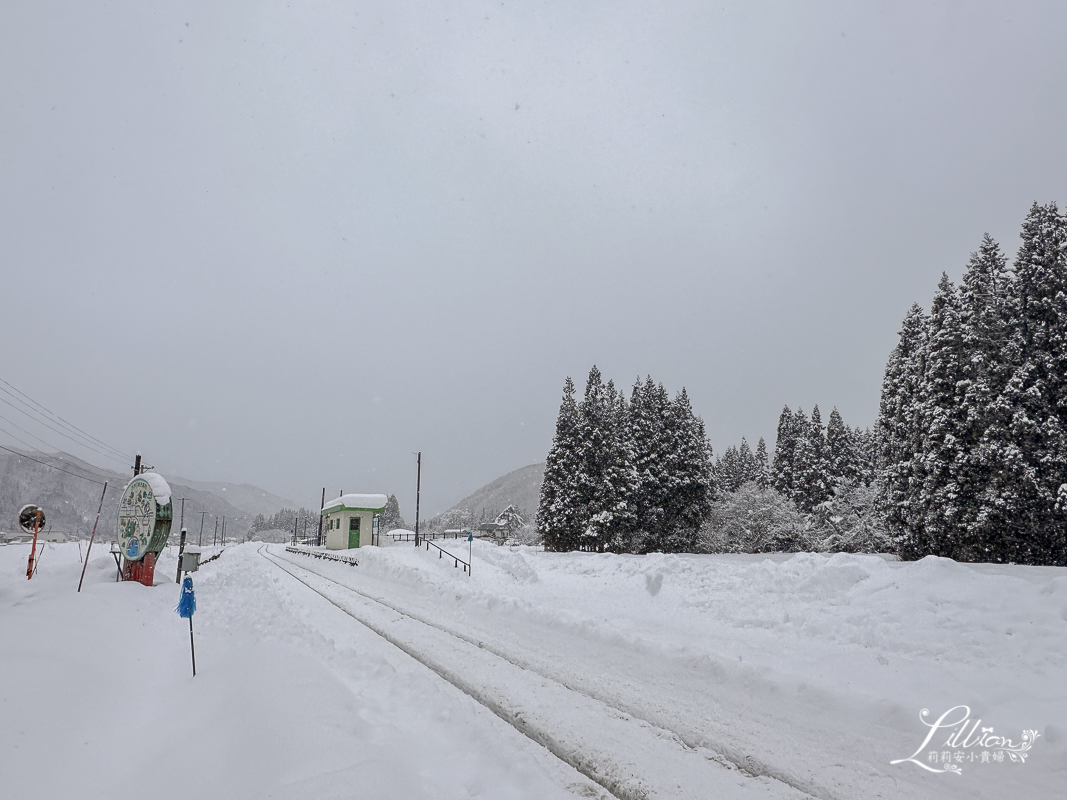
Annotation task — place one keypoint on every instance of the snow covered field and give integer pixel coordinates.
(539, 676)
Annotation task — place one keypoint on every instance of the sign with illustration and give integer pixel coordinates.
(144, 516)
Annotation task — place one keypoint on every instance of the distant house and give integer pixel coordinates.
(351, 520)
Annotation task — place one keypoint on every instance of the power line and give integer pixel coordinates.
(57, 418)
(61, 433)
(51, 466)
(45, 455)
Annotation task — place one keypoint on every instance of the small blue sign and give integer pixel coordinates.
(470, 537)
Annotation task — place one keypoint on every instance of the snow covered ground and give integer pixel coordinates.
(538, 676)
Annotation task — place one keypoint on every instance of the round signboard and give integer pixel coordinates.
(144, 516)
(29, 516)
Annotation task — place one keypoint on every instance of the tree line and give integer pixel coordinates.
(973, 413)
(967, 459)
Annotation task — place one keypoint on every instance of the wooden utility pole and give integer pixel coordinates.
(322, 505)
(181, 549)
(418, 492)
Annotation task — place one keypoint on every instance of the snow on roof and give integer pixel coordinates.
(160, 487)
(370, 502)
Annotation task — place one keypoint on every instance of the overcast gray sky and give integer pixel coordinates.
(291, 243)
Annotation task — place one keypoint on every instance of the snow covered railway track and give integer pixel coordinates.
(627, 756)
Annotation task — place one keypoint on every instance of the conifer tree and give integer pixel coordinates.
(901, 432)
(784, 445)
(762, 472)
(1030, 439)
(689, 478)
(811, 479)
(557, 512)
(840, 450)
(605, 477)
(651, 443)
(942, 413)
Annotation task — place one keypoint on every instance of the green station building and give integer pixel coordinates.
(352, 520)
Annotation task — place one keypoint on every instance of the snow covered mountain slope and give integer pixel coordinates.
(539, 675)
(520, 487)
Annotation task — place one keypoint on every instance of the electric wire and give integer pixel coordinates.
(50, 466)
(61, 433)
(46, 455)
(62, 421)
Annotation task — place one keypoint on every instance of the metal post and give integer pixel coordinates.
(418, 492)
(33, 551)
(192, 646)
(93, 536)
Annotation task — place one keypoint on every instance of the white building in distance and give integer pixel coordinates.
(351, 520)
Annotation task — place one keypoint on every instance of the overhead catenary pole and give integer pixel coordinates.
(93, 536)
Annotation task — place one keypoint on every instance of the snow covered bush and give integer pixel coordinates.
(853, 520)
(756, 519)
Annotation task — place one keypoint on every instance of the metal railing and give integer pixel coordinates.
(352, 562)
(442, 553)
(410, 537)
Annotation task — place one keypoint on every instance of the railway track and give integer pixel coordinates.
(625, 755)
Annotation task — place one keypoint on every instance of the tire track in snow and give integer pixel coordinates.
(629, 757)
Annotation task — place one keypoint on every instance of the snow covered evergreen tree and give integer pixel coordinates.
(762, 476)
(690, 487)
(812, 482)
(973, 413)
(841, 447)
(1029, 437)
(941, 412)
(557, 511)
(605, 479)
(784, 445)
(391, 519)
(901, 431)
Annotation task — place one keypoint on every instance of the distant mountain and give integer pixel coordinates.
(248, 498)
(70, 502)
(520, 488)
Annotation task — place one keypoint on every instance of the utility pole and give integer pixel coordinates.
(137, 465)
(215, 535)
(202, 514)
(418, 492)
(322, 505)
(181, 549)
(223, 540)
